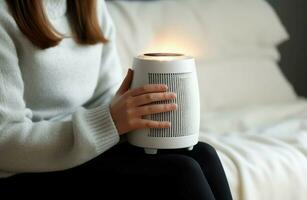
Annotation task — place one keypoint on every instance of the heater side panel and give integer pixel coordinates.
(182, 123)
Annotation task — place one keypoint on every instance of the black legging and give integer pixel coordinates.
(125, 171)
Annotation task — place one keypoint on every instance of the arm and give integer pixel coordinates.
(27, 146)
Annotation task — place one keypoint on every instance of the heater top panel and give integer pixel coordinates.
(163, 63)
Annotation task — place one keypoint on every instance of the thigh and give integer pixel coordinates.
(171, 175)
(212, 168)
(94, 175)
(124, 171)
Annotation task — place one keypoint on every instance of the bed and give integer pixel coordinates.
(252, 76)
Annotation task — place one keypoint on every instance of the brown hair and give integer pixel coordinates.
(33, 22)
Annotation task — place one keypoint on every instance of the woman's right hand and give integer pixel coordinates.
(129, 105)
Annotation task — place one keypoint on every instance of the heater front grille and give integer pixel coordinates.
(181, 119)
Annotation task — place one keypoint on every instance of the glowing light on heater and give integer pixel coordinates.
(162, 56)
(173, 41)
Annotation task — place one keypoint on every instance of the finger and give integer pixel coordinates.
(144, 123)
(126, 83)
(152, 97)
(149, 88)
(153, 109)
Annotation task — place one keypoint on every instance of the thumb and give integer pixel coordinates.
(126, 83)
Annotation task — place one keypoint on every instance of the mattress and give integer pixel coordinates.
(263, 149)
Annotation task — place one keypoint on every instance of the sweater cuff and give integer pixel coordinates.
(99, 124)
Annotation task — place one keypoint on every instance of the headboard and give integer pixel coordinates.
(293, 14)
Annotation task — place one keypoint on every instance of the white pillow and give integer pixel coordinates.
(234, 43)
(244, 82)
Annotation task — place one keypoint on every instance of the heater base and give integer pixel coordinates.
(138, 138)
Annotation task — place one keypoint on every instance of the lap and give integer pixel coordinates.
(123, 156)
(125, 164)
(127, 158)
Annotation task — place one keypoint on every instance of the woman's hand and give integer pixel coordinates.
(129, 105)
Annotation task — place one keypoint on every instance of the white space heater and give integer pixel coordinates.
(178, 72)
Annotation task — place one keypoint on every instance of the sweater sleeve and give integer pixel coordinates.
(111, 73)
(27, 146)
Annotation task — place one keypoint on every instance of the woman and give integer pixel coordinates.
(60, 125)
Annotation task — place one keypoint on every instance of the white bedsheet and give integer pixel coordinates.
(263, 150)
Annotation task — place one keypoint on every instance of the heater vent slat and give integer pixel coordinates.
(181, 84)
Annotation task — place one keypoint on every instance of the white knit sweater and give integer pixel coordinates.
(54, 103)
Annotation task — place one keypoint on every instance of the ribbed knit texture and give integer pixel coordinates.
(54, 103)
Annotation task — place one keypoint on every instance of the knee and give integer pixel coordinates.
(185, 165)
(206, 149)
